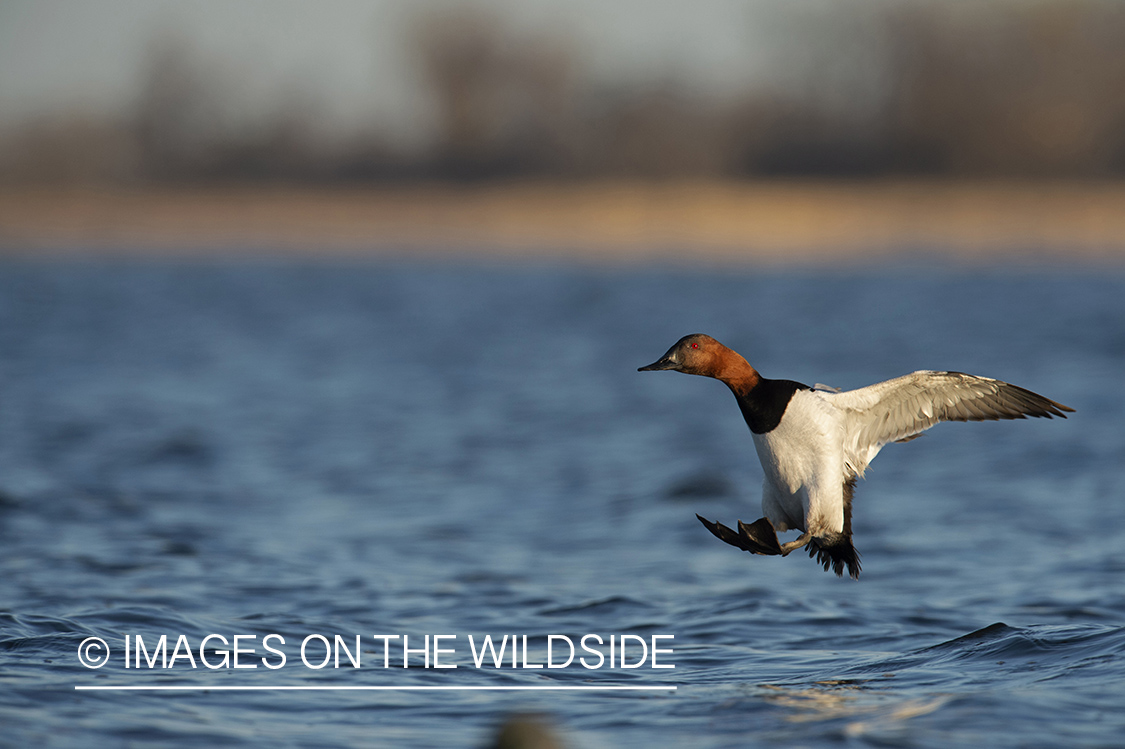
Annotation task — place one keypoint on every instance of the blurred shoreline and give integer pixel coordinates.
(714, 222)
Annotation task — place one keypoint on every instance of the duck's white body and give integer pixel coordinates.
(803, 461)
(826, 439)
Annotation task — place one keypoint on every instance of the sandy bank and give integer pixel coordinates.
(617, 222)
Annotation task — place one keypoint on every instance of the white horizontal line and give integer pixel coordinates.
(556, 688)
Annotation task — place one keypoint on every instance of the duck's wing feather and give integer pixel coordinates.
(900, 409)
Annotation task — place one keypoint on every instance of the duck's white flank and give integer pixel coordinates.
(803, 461)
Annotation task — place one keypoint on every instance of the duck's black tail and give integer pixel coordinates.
(835, 554)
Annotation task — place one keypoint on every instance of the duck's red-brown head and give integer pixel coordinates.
(700, 354)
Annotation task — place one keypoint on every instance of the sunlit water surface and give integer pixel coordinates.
(407, 449)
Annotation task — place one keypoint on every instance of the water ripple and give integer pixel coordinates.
(382, 449)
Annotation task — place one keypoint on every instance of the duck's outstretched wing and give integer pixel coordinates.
(900, 409)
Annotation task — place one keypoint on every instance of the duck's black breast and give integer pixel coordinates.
(765, 404)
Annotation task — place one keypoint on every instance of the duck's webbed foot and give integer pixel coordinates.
(757, 538)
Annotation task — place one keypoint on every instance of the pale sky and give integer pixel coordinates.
(351, 57)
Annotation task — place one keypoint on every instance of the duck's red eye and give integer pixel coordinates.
(695, 345)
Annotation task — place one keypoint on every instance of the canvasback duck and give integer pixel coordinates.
(815, 442)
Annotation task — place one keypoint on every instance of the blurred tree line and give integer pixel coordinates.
(958, 89)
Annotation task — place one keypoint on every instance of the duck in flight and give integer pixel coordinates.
(814, 443)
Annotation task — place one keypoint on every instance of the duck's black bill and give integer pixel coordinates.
(664, 363)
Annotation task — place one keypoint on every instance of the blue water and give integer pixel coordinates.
(391, 448)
